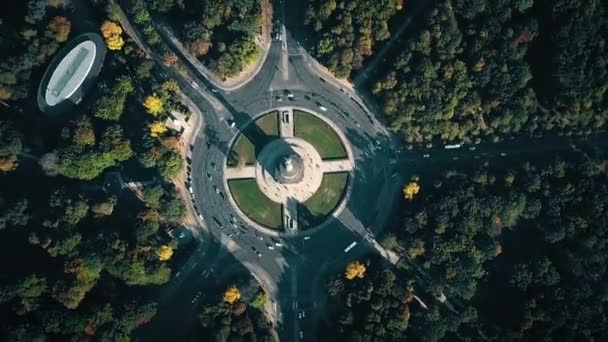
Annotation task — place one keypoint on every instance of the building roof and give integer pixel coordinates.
(70, 73)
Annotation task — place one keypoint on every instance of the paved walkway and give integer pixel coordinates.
(340, 165)
(240, 172)
(286, 123)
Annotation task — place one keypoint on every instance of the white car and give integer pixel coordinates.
(323, 108)
(307, 238)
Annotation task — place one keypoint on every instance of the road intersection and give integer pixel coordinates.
(292, 272)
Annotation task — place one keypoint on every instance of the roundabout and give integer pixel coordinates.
(293, 180)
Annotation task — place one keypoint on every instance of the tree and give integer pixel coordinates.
(354, 269)
(36, 10)
(410, 190)
(259, 300)
(157, 128)
(170, 164)
(83, 133)
(112, 32)
(61, 27)
(232, 294)
(169, 59)
(112, 104)
(8, 163)
(165, 253)
(49, 163)
(153, 105)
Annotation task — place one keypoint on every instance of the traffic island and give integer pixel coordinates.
(288, 170)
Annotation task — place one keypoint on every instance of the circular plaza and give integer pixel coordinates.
(288, 170)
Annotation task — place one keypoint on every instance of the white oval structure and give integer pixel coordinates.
(70, 73)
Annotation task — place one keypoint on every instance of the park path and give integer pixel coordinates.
(339, 165)
(240, 172)
(286, 123)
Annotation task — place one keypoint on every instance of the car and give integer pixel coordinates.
(190, 189)
(472, 148)
(323, 108)
(307, 238)
(301, 335)
(300, 315)
(216, 189)
(209, 176)
(290, 95)
(260, 237)
(213, 90)
(232, 218)
(259, 254)
(502, 154)
(277, 36)
(426, 155)
(270, 247)
(200, 216)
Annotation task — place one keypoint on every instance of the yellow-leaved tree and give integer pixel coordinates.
(157, 128)
(232, 294)
(8, 163)
(410, 190)
(354, 269)
(165, 253)
(153, 104)
(112, 33)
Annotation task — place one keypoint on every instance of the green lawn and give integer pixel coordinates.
(319, 134)
(255, 204)
(324, 201)
(243, 151)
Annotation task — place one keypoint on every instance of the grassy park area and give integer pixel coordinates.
(319, 134)
(324, 201)
(244, 149)
(255, 204)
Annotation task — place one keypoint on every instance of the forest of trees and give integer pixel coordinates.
(26, 48)
(221, 33)
(347, 32)
(520, 252)
(477, 68)
(76, 257)
(238, 316)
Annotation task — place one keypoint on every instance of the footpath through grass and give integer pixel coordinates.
(255, 204)
(319, 134)
(324, 201)
(262, 130)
